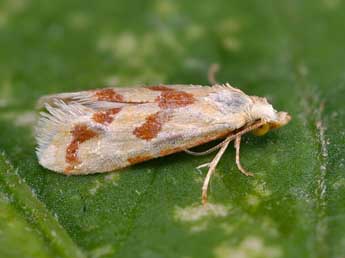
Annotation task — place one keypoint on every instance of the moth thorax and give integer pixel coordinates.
(263, 110)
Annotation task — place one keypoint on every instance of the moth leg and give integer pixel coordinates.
(212, 167)
(204, 165)
(198, 168)
(238, 163)
(211, 75)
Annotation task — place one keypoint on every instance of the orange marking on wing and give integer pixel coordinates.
(68, 170)
(174, 99)
(159, 88)
(139, 159)
(109, 95)
(152, 126)
(105, 117)
(80, 134)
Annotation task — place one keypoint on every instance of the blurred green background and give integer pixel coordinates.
(289, 51)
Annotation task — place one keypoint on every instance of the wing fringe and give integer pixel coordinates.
(56, 119)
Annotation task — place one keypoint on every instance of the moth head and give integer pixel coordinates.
(264, 111)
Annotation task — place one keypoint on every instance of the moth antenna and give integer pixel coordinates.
(211, 75)
(202, 153)
(219, 145)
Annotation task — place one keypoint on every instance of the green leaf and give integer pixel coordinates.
(289, 51)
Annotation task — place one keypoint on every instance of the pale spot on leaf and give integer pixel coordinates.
(199, 227)
(227, 228)
(112, 178)
(251, 246)
(195, 213)
(126, 44)
(253, 200)
(231, 43)
(123, 45)
(227, 30)
(102, 251)
(261, 189)
(133, 51)
(95, 187)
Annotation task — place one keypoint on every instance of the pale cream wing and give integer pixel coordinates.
(75, 139)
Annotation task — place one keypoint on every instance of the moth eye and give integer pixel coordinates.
(262, 130)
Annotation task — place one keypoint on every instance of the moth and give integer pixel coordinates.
(108, 129)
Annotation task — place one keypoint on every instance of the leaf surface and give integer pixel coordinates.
(291, 52)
